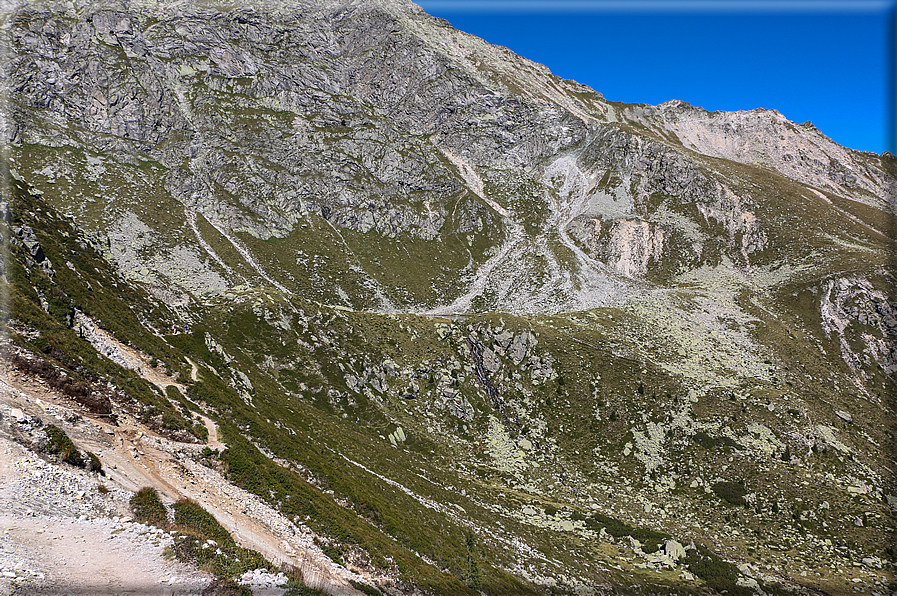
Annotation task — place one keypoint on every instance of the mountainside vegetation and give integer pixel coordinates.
(475, 327)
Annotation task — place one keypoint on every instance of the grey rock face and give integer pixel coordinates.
(29, 239)
(518, 348)
(628, 245)
(491, 361)
(857, 313)
(377, 120)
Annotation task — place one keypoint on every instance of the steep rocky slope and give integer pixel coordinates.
(473, 325)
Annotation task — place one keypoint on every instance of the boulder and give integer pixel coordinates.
(748, 582)
(517, 350)
(504, 339)
(29, 239)
(892, 501)
(845, 416)
(674, 550)
(491, 361)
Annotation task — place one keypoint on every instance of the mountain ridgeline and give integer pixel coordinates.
(476, 327)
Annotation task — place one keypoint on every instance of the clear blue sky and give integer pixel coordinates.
(820, 60)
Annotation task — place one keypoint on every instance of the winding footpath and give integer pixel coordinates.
(134, 457)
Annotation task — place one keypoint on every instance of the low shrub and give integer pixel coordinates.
(190, 514)
(58, 443)
(731, 492)
(94, 464)
(711, 443)
(147, 507)
(200, 431)
(718, 574)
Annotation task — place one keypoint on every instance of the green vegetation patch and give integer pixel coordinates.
(711, 443)
(190, 514)
(206, 543)
(148, 508)
(731, 492)
(295, 497)
(617, 529)
(716, 573)
(58, 443)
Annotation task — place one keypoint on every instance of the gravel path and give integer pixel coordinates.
(59, 529)
(60, 535)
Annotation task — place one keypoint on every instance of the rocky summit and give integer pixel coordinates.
(367, 305)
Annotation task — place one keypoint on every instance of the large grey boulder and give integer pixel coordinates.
(29, 239)
(674, 550)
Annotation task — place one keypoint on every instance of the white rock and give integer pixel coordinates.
(747, 582)
(673, 549)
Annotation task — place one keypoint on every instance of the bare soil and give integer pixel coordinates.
(81, 555)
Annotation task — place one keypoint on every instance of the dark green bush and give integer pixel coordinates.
(711, 443)
(94, 464)
(60, 444)
(200, 431)
(190, 514)
(473, 576)
(617, 529)
(731, 492)
(718, 574)
(147, 507)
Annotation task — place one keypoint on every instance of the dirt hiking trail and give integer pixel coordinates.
(134, 457)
